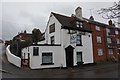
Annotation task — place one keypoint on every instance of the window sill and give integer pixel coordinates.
(35, 55)
(98, 30)
(79, 45)
(47, 64)
(80, 62)
(99, 43)
(100, 55)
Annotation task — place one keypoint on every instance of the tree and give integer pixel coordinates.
(112, 12)
(36, 35)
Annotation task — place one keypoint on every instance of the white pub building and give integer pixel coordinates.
(67, 42)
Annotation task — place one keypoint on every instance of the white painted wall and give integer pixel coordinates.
(61, 37)
(86, 49)
(12, 58)
(36, 61)
(56, 34)
(41, 42)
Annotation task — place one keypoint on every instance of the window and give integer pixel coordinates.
(79, 56)
(79, 39)
(99, 40)
(118, 41)
(112, 32)
(110, 51)
(35, 51)
(52, 28)
(100, 52)
(52, 40)
(109, 40)
(28, 48)
(108, 31)
(116, 31)
(47, 58)
(79, 24)
(97, 28)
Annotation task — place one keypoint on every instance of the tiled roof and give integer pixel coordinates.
(101, 24)
(23, 36)
(70, 22)
(67, 22)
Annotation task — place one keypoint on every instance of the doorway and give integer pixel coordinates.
(26, 59)
(69, 56)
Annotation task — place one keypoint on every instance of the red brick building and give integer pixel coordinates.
(106, 40)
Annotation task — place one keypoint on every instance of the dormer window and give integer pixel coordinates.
(97, 28)
(79, 24)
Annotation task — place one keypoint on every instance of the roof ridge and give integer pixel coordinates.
(100, 23)
(60, 14)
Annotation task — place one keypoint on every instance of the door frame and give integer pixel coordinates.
(24, 60)
(69, 56)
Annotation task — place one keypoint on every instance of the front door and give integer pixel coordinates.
(69, 56)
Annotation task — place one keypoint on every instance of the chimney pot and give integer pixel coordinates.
(110, 22)
(91, 18)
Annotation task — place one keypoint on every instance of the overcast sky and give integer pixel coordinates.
(20, 16)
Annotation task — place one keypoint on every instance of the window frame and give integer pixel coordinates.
(81, 56)
(79, 24)
(97, 28)
(35, 52)
(99, 39)
(52, 39)
(52, 28)
(116, 32)
(107, 31)
(51, 55)
(109, 40)
(109, 52)
(118, 41)
(80, 39)
(100, 54)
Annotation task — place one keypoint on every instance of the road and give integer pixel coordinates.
(2, 50)
(0, 60)
(108, 70)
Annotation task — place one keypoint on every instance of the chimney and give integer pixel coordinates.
(110, 22)
(91, 18)
(78, 12)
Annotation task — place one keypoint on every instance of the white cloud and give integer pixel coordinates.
(27, 15)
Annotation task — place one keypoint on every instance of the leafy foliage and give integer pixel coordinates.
(112, 12)
(36, 35)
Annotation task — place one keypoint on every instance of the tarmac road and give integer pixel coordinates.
(107, 70)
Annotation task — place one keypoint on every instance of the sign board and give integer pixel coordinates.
(73, 38)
